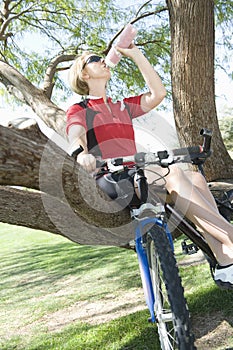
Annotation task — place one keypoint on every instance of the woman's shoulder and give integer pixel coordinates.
(78, 105)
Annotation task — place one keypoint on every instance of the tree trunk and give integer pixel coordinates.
(192, 69)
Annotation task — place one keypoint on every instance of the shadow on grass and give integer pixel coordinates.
(208, 309)
(46, 264)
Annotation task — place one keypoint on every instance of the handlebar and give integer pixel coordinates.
(194, 154)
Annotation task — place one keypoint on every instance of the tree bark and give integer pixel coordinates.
(192, 70)
(65, 190)
(26, 208)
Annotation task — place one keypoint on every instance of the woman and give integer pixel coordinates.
(109, 133)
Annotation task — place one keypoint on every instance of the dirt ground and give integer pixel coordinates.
(211, 331)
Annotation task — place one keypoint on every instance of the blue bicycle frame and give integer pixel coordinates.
(143, 261)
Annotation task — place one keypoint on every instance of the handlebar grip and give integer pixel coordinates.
(187, 151)
(76, 152)
(207, 134)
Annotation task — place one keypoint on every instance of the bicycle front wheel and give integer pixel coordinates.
(170, 306)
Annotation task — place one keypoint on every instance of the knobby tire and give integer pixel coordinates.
(169, 293)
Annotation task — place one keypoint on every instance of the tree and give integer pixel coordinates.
(48, 194)
(192, 52)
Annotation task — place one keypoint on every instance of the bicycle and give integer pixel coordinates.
(162, 285)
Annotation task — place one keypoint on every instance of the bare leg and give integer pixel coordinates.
(197, 204)
(199, 181)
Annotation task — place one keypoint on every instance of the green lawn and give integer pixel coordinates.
(44, 275)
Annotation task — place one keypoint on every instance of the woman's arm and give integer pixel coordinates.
(77, 137)
(157, 91)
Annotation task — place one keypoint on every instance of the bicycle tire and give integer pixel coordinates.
(170, 305)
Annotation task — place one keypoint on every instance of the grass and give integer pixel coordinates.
(42, 274)
(125, 333)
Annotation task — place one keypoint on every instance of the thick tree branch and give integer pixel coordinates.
(34, 97)
(26, 208)
(51, 71)
(11, 89)
(31, 132)
(49, 169)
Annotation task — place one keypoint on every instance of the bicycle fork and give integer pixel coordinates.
(143, 261)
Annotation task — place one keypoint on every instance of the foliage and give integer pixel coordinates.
(57, 27)
(226, 127)
(224, 41)
(69, 27)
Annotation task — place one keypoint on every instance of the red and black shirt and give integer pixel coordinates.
(109, 131)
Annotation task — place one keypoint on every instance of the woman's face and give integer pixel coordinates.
(95, 67)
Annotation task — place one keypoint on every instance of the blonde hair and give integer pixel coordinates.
(76, 81)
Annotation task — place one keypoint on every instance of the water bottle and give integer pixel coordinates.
(125, 39)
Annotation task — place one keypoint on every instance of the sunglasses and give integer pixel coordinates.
(91, 59)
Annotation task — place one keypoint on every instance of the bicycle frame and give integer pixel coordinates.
(184, 227)
(143, 261)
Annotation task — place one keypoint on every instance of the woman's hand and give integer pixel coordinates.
(87, 161)
(132, 51)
